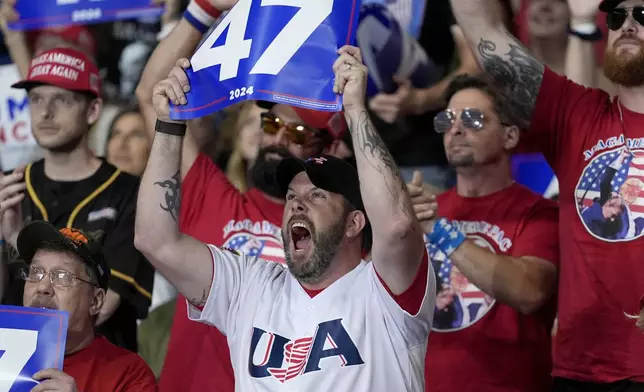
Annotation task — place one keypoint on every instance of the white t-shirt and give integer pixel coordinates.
(351, 337)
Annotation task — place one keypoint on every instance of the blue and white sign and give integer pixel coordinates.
(532, 171)
(17, 144)
(30, 340)
(273, 50)
(388, 51)
(38, 14)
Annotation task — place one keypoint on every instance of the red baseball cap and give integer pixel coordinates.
(77, 35)
(65, 68)
(332, 122)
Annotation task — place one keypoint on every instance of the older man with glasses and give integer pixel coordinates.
(66, 270)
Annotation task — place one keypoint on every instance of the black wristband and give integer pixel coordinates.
(175, 129)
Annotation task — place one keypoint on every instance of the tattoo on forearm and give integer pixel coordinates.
(519, 75)
(172, 195)
(378, 156)
(198, 302)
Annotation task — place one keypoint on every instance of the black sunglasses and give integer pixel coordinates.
(471, 118)
(615, 19)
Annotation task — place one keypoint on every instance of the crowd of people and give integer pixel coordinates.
(268, 247)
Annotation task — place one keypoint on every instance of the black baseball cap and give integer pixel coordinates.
(331, 174)
(609, 5)
(88, 248)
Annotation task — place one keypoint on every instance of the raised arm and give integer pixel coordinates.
(514, 70)
(397, 238)
(14, 40)
(581, 64)
(184, 261)
(180, 43)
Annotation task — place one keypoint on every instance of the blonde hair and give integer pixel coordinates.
(236, 169)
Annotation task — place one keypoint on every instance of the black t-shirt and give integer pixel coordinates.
(104, 203)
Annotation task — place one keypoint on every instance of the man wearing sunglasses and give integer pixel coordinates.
(492, 288)
(66, 270)
(581, 131)
(212, 209)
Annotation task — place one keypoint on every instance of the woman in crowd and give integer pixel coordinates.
(128, 145)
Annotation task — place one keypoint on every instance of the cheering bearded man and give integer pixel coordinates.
(212, 209)
(375, 315)
(582, 133)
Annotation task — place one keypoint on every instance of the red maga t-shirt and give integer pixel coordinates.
(104, 367)
(215, 212)
(601, 220)
(477, 343)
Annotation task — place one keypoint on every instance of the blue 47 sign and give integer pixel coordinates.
(38, 14)
(273, 50)
(30, 340)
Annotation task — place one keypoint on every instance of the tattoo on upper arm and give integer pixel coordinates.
(379, 157)
(172, 195)
(519, 75)
(199, 302)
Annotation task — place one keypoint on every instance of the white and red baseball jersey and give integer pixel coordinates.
(352, 336)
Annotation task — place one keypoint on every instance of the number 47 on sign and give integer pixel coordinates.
(273, 50)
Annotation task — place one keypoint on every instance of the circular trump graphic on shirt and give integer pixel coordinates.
(459, 303)
(609, 195)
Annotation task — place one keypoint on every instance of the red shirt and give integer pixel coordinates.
(602, 273)
(215, 212)
(476, 343)
(102, 366)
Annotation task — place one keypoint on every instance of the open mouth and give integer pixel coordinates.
(301, 236)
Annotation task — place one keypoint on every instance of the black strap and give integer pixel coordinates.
(176, 129)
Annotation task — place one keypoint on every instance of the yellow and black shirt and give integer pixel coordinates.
(104, 203)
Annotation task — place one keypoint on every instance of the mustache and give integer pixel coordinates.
(628, 37)
(41, 302)
(282, 151)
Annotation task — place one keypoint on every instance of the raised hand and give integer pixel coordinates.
(8, 14)
(350, 77)
(424, 203)
(391, 106)
(171, 89)
(583, 11)
(12, 191)
(54, 380)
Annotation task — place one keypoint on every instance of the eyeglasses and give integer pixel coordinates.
(58, 278)
(616, 18)
(471, 118)
(295, 133)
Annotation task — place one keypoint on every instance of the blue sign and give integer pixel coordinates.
(532, 171)
(38, 14)
(388, 50)
(272, 50)
(30, 340)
